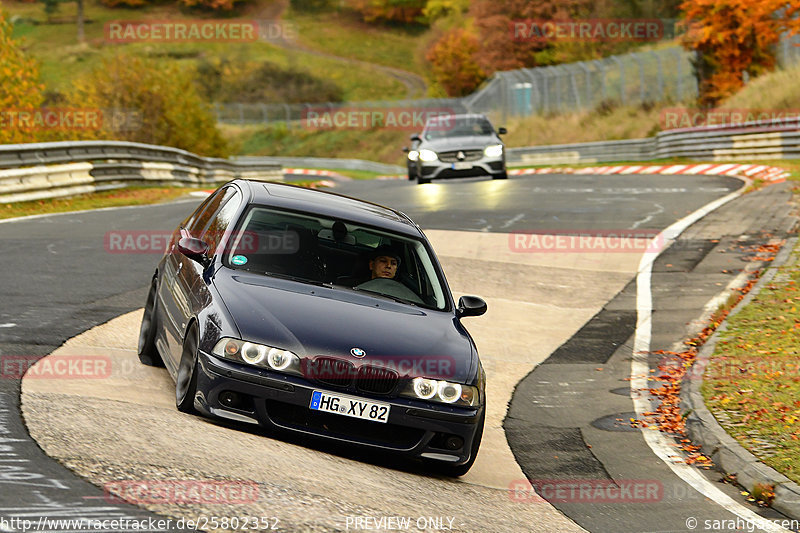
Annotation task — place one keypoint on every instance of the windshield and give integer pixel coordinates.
(314, 249)
(457, 126)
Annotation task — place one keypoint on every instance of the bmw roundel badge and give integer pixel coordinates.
(357, 352)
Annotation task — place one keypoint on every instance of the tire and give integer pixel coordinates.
(422, 181)
(503, 176)
(460, 470)
(186, 379)
(148, 353)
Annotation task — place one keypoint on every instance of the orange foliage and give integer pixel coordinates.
(493, 21)
(20, 89)
(403, 11)
(733, 37)
(452, 62)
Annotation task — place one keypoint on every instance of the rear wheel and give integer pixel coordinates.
(148, 353)
(186, 380)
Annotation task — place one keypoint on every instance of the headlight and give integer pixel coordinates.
(428, 155)
(258, 355)
(442, 391)
(413, 155)
(495, 150)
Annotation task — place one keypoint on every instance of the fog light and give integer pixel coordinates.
(230, 399)
(454, 442)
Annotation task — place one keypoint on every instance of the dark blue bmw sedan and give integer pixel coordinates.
(312, 312)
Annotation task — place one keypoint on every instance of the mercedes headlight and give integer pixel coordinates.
(413, 155)
(428, 155)
(495, 150)
(258, 355)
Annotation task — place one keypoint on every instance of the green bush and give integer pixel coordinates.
(150, 102)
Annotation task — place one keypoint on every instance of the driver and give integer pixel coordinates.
(384, 262)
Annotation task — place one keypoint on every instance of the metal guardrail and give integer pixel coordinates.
(750, 140)
(333, 163)
(47, 170)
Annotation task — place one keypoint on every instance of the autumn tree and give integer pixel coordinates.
(494, 20)
(732, 37)
(212, 5)
(20, 89)
(402, 11)
(149, 102)
(453, 64)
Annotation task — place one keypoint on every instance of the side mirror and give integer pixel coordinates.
(416, 137)
(502, 131)
(470, 306)
(194, 249)
(405, 149)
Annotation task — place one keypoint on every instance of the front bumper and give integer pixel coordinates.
(281, 402)
(484, 166)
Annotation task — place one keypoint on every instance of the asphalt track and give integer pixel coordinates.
(61, 280)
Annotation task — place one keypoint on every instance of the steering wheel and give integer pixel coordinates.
(390, 287)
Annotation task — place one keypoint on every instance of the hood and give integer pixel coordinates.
(474, 142)
(313, 321)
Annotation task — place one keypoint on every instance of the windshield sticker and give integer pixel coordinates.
(238, 260)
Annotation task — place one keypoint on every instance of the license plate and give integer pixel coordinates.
(461, 165)
(349, 406)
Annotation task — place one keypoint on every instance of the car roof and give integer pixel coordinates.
(294, 198)
(459, 116)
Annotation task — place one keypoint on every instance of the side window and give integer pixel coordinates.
(196, 224)
(221, 221)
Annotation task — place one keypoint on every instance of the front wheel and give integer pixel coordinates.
(422, 181)
(503, 176)
(186, 380)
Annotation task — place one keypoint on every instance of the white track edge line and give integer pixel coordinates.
(640, 372)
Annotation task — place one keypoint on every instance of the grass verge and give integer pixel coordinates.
(752, 383)
(83, 202)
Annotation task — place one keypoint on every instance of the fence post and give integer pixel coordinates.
(660, 76)
(621, 65)
(642, 89)
(587, 79)
(599, 67)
